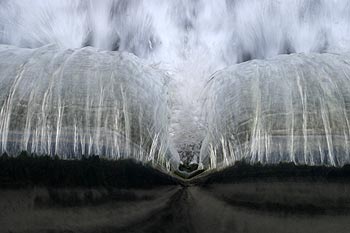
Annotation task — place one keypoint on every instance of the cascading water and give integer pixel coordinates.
(289, 108)
(82, 102)
(180, 44)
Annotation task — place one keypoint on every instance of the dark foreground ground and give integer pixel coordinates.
(244, 198)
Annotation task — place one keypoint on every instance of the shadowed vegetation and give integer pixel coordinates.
(28, 170)
(243, 171)
(31, 170)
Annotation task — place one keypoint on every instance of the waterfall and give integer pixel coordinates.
(183, 109)
(291, 108)
(82, 102)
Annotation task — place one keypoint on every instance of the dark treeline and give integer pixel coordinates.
(243, 171)
(30, 170)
